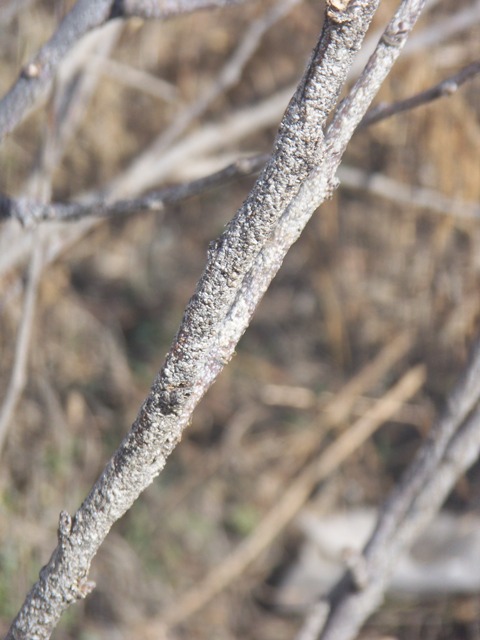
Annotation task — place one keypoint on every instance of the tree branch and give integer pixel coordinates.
(30, 212)
(85, 16)
(452, 447)
(446, 87)
(202, 345)
(22, 348)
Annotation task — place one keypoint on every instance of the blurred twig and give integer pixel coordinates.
(11, 8)
(401, 193)
(451, 448)
(29, 212)
(18, 376)
(144, 168)
(86, 15)
(445, 88)
(135, 78)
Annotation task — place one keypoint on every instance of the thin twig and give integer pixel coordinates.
(401, 193)
(144, 169)
(445, 88)
(339, 409)
(29, 212)
(18, 376)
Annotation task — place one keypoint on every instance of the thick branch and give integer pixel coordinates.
(193, 361)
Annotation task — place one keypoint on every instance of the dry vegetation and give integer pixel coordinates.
(366, 270)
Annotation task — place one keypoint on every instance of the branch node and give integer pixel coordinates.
(357, 567)
(31, 70)
(64, 526)
(85, 588)
(449, 87)
(339, 10)
(395, 33)
(332, 186)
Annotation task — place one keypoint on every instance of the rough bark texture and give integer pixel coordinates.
(211, 325)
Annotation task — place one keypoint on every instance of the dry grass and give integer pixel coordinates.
(364, 271)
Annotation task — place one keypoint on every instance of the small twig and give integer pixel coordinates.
(135, 78)
(443, 89)
(29, 212)
(18, 376)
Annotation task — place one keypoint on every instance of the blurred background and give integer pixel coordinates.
(370, 271)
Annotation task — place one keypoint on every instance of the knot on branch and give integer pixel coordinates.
(85, 588)
(340, 11)
(31, 70)
(64, 527)
(395, 33)
(357, 567)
